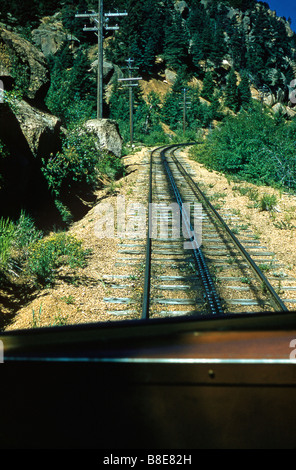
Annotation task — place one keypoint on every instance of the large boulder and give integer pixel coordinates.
(19, 56)
(108, 69)
(170, 76)
(29, 135)
(107, 135)
(182, 7)
(40, 130)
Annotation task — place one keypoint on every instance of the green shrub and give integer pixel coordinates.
(7, 230)
(64, 211)
(15, 239)
(47, 255)
(268, 202)
(252, 147)
(25, 232)
(156, 138)
(110, 165)
(74, 166)
(72, 92)
(79, 164)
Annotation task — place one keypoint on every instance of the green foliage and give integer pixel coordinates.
(15, 239)
(25, 232)
(156, 138)
(268, 64)
(109, 165)
(176, 44)
(264, 49)
(244, 92)
(208, 87)
(268, 202)
(73, 88)
(120, 109)
(46, 256)
(231, 91)
(171, 110)
(198, 114)
(78, 168)
(75, 166)
(253, 147)
(140, 35)
(7, 230)
(206, 31)
(24, 250)
(146, 113)
(64, 211)
(21, 74)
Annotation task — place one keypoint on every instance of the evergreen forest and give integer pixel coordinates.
(225, 62)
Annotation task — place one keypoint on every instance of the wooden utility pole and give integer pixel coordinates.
(184, 111)
(131, 83)
(98, 18)
(185, 105)
(100, 61)
(131, 100)
(1, 91)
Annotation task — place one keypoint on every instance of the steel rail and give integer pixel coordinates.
(211, 295)
(276, 301)
(146, 293)
(208, 283)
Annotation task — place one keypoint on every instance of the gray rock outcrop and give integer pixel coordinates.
(182, 7)
(16, 51)
(170, 76)
(29, 135)
(40, 130)
(51, 35)
(107, 133)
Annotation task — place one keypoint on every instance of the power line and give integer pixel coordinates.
(101, 21)
(130, 83)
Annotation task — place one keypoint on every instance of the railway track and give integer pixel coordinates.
(192, 262)
(160, 375)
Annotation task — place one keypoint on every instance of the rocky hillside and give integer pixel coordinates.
(30, 133)
(192, 35)
(225, 52)
(198, 36)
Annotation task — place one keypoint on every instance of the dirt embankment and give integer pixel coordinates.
(78, 297)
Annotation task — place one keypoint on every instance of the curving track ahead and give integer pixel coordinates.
(194, 270)
(192, 374)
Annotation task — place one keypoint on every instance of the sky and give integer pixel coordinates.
(285, 8)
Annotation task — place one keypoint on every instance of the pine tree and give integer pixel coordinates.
(208, 87)
(80, 77)
(71, 88)
(238, 49)
(197, 50)
(207, 42)
(231, 93)
(244, 92)
(176, 44)
(140, 35)
(257, 55)
(218, 46)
